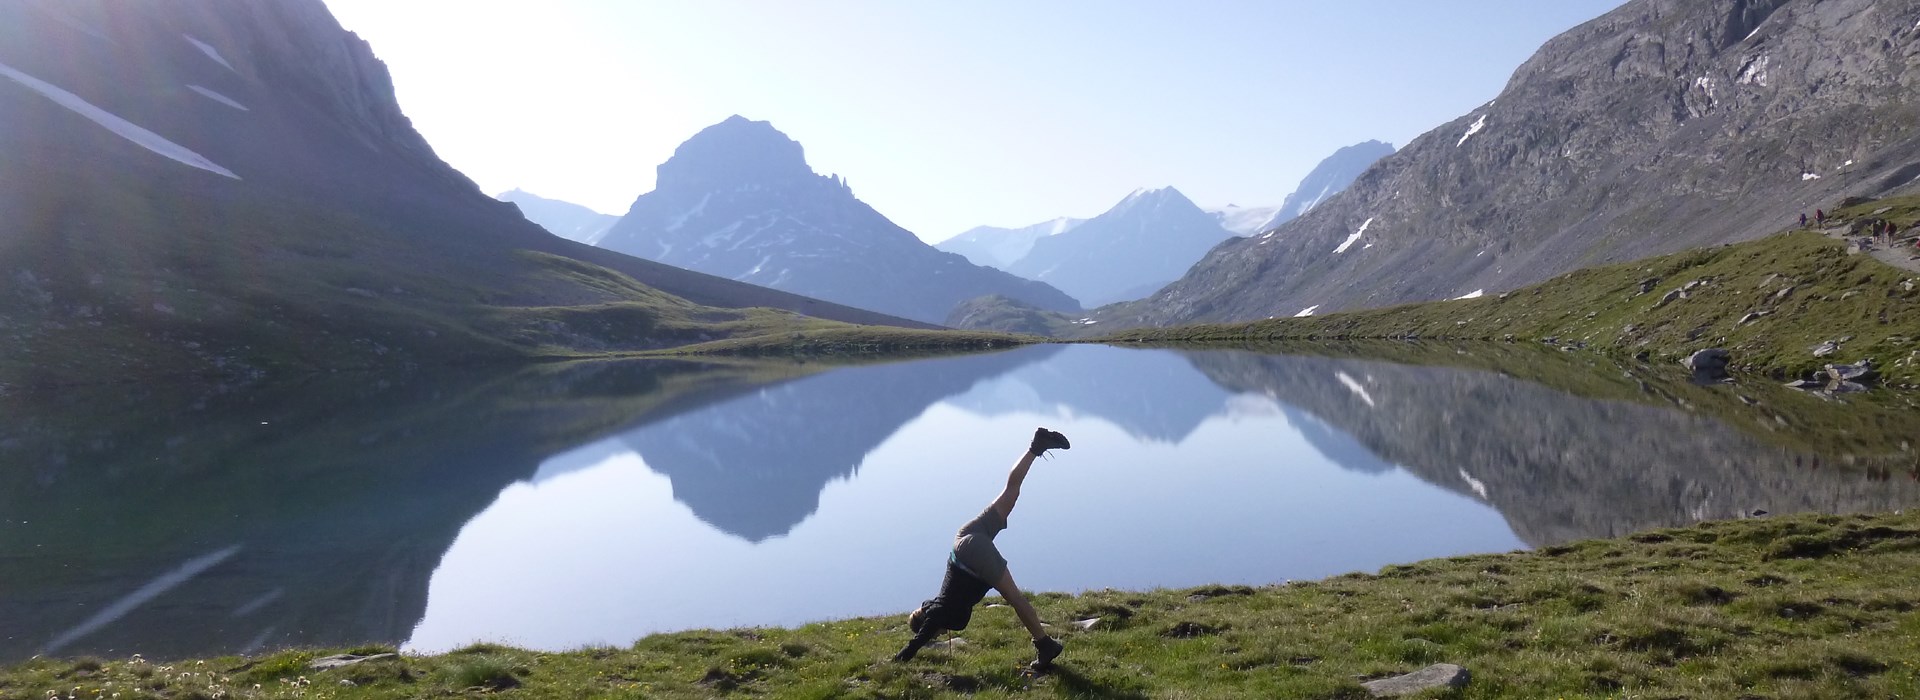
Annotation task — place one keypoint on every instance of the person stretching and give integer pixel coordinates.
(976, 565)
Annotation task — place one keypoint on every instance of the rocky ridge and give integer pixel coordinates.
(1660, 126)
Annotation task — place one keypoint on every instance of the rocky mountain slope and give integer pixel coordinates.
(1660, 126)
(1145, 241)
(230, 188)
(738, 200)
(994, 246)
(1327, 179)
(564, 219)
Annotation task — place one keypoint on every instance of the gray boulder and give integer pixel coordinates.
(1435, 676)
(1710, 363)
(1826, 348)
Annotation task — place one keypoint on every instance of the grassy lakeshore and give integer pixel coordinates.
(1769, 301)
(1791, 607)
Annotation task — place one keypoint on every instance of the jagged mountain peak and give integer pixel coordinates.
(738, 200)
(737, 150)
(1145, 201)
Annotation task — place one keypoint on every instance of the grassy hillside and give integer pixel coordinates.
(1769, 302)
(1812, 606)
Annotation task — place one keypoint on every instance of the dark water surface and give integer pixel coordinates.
(595, 504)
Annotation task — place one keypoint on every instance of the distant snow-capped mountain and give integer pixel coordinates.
(994, 246)
(1147, 240)
(564, 219)
(738, 200)
(1326, 180)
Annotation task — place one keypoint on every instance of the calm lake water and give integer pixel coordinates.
(596, 504)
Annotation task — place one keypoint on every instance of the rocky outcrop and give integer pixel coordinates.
(738, 200)
(1660, 126)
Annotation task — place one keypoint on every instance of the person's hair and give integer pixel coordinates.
(917, 619)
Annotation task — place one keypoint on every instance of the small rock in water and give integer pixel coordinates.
(1435, 676)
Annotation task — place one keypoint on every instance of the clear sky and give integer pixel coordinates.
(947, 115)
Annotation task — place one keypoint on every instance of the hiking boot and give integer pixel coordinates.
(1044, 439)
(1048, 649)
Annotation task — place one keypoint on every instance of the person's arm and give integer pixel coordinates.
(920, 639)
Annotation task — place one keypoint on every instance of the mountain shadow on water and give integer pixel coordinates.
(178, 522)
(754, 466)
(1559, 467)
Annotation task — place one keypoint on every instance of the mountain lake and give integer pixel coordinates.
(563, 506)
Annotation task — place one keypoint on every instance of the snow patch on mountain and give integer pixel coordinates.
(1809, 176)
(1344, 245)
(697, 210)
(1475, 294)
(211, 52)
(120, 127)
(1307, 311)
(1478, 124)
(217, 97)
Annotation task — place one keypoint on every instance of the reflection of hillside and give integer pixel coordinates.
(754, 466)
(1345, 451)
(306, 514)
(1559, 467)
(1151, 394)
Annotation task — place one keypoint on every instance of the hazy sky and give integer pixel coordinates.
(947, 115)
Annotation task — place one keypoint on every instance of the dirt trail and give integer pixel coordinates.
(1902, 254)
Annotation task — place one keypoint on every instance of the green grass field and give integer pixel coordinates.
(1792, 607)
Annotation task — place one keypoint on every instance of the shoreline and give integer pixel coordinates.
(1817, 605)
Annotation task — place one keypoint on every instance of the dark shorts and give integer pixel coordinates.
(973, 549)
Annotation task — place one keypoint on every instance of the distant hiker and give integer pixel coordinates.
(975, 565)
(1803, 219)
(1820, 215)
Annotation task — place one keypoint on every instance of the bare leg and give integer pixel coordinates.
(1022, 608)
(1011, 493)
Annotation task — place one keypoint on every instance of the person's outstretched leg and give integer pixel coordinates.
(1021, 606)
(1045, 647)
(1043, 440)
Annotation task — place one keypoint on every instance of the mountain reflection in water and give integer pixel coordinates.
(596, 503)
